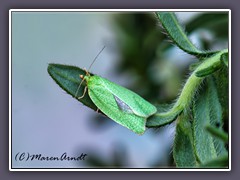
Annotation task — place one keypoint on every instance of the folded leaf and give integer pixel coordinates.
(183, 150)
(203, 141)
(210, 65)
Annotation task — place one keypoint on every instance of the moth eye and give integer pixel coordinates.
(122, 106)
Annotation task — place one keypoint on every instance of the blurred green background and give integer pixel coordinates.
(138, 55)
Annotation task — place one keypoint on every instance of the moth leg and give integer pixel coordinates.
(85, 90)
(97, 110)
(81, 76)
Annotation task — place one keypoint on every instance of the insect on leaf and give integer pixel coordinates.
(120, 104)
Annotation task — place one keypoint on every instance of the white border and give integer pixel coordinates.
(111, 10)
(230, 87)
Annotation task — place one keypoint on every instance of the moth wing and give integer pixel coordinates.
(139, 106)
(120, 113)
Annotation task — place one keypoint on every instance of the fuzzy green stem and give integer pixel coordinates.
(194, 81)
(187, 93)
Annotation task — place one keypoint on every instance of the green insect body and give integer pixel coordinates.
(118, 103)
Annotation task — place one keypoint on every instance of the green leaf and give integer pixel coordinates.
(219, 162)
(217, 133)
(213, 101)
(210, 65)
(222, 87)
(67, 77)
(209, 70)
(203, 141)
(224, 58)
(183, 150)
(194, 66)
(215, 117)
(178, 36)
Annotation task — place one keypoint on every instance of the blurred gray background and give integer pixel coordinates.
(48, 121)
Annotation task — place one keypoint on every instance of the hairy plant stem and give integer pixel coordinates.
(189, 89)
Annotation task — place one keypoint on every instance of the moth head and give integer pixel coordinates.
(84, 77)
(81, 76)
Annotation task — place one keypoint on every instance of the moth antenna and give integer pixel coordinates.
(96, 58)
(87, 73)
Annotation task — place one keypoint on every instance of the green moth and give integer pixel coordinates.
(118, 103)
